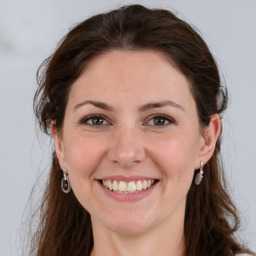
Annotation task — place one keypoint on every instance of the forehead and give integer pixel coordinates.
(140, 75)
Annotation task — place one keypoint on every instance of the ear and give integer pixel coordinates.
(209, 139)
(58, 142)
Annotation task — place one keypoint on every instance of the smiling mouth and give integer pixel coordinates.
(123, 187)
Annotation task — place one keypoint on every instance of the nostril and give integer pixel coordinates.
(126, 151)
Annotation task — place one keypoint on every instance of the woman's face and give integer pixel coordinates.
(130, 121)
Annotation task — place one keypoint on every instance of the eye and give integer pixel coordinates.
(160, 120)
(95, 120)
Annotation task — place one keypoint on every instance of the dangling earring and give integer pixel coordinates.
(199, 176)
(65, 183)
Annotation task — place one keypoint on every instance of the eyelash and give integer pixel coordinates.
(91, 117)
(161, 116)
(85, 120)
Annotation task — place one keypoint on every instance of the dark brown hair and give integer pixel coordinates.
(210, 218)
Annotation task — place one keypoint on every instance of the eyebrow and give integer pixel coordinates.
(160, 104)
(143, 108)
(97, 104)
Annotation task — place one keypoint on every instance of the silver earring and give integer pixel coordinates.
(65, 183)
(199, 176)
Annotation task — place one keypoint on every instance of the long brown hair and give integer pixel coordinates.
(211, 219)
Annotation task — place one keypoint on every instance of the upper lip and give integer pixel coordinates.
(127, 179)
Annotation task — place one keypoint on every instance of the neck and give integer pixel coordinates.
(164, 240)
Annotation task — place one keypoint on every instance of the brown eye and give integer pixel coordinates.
(94, 120)
(97, 121)
(160, 120)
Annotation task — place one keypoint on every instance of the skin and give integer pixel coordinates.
(129, 142)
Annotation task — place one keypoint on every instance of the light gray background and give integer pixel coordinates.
(29, 31)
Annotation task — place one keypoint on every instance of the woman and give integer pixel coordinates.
(133, 99)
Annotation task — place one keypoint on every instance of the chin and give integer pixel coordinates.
(130, 224)
(129, 228)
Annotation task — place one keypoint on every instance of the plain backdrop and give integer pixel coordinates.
(29, 32)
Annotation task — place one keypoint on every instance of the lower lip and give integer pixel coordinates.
(129, 196)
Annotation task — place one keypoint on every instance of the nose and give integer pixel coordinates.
(127, 148)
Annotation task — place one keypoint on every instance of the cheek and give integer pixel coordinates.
(176, 156)
(83, 154)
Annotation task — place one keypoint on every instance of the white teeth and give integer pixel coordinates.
(115, 185)
(130, 187)
(109, 185)
(123, 186)
(144, 184)
(139, 185)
